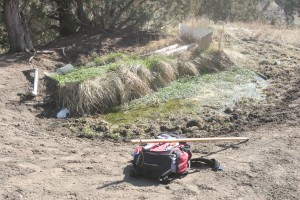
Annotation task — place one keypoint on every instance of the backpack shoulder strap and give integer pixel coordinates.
(212, 163)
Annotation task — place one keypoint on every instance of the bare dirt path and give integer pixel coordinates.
(39, 160)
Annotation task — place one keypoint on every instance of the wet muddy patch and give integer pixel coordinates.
(206, 105)
(192, 95)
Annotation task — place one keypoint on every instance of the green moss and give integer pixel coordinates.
(152, 112)
(190, 95)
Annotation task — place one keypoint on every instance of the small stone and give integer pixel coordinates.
(293, 105)
(192, 123)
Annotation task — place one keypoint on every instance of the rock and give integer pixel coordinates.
(123, 132)
(163, 128)
(90, 64)
(127, 126)
(153, 130)
(228, 111)
(266, 119)
(63, 113)
(264, 62)
(101, 128)
(137, 131)
(277, 62)
(65, 69)
(192, 123)
(293, 105)
(190, 129)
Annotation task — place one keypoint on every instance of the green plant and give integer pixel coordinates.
(109, 58)
(88, 131)
(190, 95)
(152, 61)
(84, 73)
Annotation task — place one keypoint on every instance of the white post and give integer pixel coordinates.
(35, 84)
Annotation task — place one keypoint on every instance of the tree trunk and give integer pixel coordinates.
(81, 15)
(19, 37)
(67, 23)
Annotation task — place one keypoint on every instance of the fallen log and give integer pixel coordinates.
(216, 139)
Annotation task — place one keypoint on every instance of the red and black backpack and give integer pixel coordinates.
(166, 161)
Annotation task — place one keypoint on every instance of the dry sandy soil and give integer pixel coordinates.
(40, 160)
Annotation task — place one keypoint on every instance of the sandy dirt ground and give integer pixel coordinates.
(39, 160)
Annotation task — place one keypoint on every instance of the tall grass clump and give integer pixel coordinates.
(119, 78)
(110, 58)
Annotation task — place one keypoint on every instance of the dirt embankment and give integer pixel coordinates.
(276, 62)
(41, 159)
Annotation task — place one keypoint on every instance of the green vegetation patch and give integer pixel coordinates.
(109, 63)
(84, 73)
(200, 87)
(151, 111)
(152, 61)
(110, 58)
(191, 95)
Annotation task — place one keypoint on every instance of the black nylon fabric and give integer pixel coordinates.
(155, 164)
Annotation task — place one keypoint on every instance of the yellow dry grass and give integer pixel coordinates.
(115, 88)
(126, 83)
(263, 32)
(158, 44)
(188, 69)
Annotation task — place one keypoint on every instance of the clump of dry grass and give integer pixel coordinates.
(164, 73)
(101, 94)
(212, 62)
(126, 83)
(68, 94)
(134, 87)
(145, 74)
(133, 79)
(187, 69)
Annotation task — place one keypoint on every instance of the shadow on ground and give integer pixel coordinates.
(139, 182)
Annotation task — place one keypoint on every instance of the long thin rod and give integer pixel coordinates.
(216, 139)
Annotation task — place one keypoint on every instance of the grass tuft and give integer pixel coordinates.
(84, 73)
(110, 58)
(124, 78)
(153, 61)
